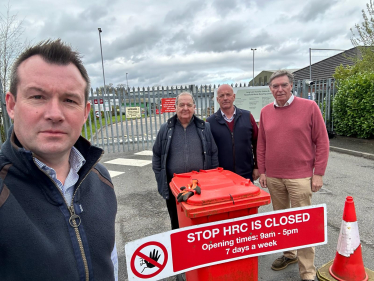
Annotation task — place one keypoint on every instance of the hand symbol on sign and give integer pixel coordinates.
(154, 256)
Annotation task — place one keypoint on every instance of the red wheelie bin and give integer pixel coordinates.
(224, 195)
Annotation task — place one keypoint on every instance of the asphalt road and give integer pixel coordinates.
(142, 211)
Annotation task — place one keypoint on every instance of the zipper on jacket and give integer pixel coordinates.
(74, 216)
(73, 223)
(185, 150)
(204, 148)
(233, 150)
(233, 144)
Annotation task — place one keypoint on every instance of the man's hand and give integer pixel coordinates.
(317, 183)
(255, 174)
(263, 181)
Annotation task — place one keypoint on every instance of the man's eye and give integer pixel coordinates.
(38, 97)
(70, 101)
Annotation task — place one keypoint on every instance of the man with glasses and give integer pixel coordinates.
(183, 144)
(292, 154)
(235, 133)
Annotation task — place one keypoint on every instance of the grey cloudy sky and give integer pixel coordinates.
(171, 42)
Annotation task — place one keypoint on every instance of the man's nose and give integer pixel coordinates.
(54, 111)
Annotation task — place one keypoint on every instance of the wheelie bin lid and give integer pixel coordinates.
(221, 191)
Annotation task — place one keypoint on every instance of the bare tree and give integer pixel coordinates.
(365, 30)
(363, 39)
(11, 30)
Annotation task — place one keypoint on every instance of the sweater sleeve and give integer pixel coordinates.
(261, 146)
(321, 140)
(254, 140)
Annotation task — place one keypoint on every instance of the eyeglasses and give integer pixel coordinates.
(276, 86)
(189, 105)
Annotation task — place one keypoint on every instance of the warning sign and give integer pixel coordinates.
(168, 105)
(173, 252)
(149, 260)
(101, 101)
(270, 233)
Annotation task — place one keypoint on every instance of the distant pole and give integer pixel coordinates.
(127, 81)
(310, 58)
(102, 61)
(310, 63)
(253, 80)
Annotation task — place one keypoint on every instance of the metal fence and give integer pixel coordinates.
(119, 132)
(323, 93)
(111, 126)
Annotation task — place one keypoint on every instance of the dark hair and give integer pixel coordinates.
(279, 73)
(54, 52)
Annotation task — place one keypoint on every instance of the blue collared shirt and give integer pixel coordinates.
(76, 161)
(229, 119)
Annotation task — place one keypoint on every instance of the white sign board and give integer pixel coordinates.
(173, 252)
(250, 98)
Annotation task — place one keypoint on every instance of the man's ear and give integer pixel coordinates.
(10, 104)
(87, 111)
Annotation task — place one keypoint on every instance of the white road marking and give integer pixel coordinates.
(145, 152)
(129, 162)
(115, 173)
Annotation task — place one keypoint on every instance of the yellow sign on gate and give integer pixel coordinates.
(133, 112)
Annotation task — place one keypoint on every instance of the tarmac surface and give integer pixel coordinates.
(142, 212)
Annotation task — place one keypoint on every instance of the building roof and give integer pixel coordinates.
(325, 69)
(290, 70)
(261, 78)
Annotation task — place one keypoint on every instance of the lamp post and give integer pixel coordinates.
(127, 81)
(253, 80)
(310, 59)
(102, 61)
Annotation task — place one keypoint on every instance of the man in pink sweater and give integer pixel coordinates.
(292, 154)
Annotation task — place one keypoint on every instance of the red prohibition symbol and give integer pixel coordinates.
(149, 260)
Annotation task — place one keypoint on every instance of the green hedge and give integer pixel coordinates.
(353, 107)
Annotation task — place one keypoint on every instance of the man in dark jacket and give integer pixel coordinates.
(235, 133)
(57, 203)
(183, 144)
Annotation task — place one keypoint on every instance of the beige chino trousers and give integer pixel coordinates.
(292, 193)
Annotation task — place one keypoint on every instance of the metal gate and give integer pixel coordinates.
(112, 126)
(129, 119)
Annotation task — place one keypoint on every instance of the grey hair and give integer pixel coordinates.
(184, 93)
(281, 72)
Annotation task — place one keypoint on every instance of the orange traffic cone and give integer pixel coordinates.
(348, 264)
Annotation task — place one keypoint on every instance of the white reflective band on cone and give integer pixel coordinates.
(349, 238)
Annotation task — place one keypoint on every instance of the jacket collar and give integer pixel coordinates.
(23, 159)
(219, 118)
(198, 122)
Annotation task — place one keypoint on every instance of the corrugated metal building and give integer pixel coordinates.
(325, 69)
